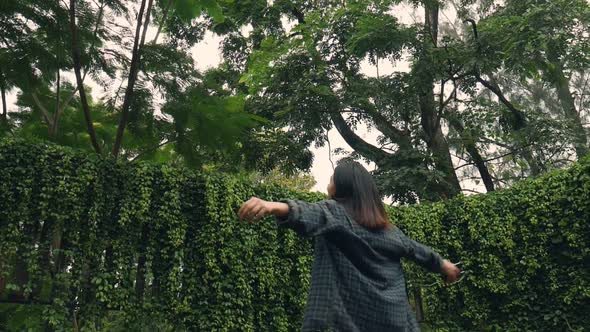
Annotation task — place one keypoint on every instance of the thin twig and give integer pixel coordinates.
(471, 191)
(497, 157)
(329, 149)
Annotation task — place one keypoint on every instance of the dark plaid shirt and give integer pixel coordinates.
(357, 282)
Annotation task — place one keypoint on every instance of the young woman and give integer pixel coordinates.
(357, 282)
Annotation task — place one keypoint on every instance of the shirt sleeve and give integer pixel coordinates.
(420, 254)
(307, 219)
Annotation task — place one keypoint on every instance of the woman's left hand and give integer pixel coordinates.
(450, 271)
(254, 209)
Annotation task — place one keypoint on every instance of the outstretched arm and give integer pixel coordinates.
(307, 219)
(256, 208)
(429, 259)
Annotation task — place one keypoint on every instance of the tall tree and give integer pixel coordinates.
(315, 83)
(306, 75)
(544, 40)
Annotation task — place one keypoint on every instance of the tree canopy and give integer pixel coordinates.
(493, 92)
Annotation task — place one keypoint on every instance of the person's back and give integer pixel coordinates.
(357, 282)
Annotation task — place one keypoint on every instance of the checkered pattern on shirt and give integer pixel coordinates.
(357, 282)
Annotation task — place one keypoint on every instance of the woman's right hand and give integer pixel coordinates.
(450, 271)
(254, 209)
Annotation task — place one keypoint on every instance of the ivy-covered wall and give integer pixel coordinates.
(526, 253)
(93, 244)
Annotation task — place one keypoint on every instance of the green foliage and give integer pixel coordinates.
(189, 9)
(298, 181)
(525, 250)
(531, 36)
(116, 246)
(380, 36)
(117, 241)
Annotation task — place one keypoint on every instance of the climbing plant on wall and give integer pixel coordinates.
(100, 244)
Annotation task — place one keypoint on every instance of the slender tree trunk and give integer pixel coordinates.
(77, 66)
(517, 123)
(162, 21)
(476, 157)
(2, 283)
(4, 119)
(141, 262)
(419, 305)
(46, 115)
(133, 70)
(481, 166)
(430, 117)
(53, 129)
(86, 70)
(561, 84)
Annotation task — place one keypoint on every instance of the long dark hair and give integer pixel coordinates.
(356, 190)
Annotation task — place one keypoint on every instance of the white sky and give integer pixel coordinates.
(207, 55)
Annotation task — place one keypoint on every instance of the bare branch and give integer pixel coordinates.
(453, 96)
(471, 190)
(141, 154)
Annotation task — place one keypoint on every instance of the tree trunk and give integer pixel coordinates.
(561, 84)
(77, 66)
(419, 305)
(430, 117)
(133, 70)
(476, 157)
(2, 284)
(141, 261)
(53, 129)
(481, 166)
(4, 119)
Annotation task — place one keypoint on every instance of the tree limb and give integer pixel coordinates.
(46, 115)
(473, 26)
(471, 191)
(401, 137)
(365, 149)
(518, 114)
(476, 157)
(452, 96)
(298, 15)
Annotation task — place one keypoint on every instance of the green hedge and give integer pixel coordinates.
(526, 250)
(116, 246)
